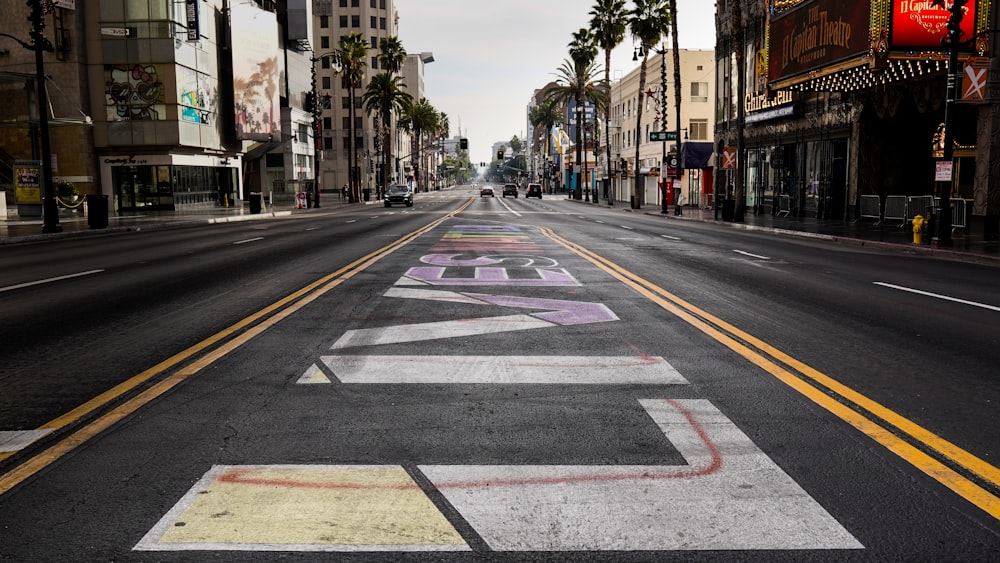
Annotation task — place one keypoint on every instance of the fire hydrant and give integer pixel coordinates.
(919, 225)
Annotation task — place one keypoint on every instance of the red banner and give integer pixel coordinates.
(919, 24)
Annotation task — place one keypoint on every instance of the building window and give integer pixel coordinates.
(699, 92)
(374, 63)
(381, 4)
(372, 21)
(343, 3)
(345, 102)
(346, 122)
(324, 42)
(381, 23)
(327, 123)
(324, 22)
(355, 21)
(374, 42)
(355, 3)
(343, 21)
(327, 144)
(698, 129)
(373, 3)
(326, 83)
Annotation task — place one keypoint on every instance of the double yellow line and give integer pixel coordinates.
(847, 404)
(199, 356)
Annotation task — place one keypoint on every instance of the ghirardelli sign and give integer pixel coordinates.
(816, 34)
(920, 24)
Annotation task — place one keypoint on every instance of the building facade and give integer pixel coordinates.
(172, 105)
(835, 110)
(691, 141)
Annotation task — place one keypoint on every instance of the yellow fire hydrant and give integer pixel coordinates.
(919, 225)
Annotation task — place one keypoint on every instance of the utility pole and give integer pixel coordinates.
(39, 44)
(953, 40)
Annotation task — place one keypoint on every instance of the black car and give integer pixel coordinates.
(486, 191)
(510, 189)
(534, 190)
(399, 194)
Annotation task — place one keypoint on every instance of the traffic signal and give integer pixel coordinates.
(499, 155)
(463, 144)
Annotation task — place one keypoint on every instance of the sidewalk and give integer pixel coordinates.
(968, 246)
(15, 229)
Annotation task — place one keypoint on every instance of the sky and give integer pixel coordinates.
(490, 57)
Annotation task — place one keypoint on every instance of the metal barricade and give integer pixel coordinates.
(784, 205)
(918, 205)
(959, 215)
(895, 208)
(871, 208)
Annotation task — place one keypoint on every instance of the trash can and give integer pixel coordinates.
(97, 211)
(255, 200)
(367, 193)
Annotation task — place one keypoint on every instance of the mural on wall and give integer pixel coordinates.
(256, 72)
(133, 94)
(197, 95)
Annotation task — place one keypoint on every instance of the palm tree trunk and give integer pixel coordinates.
(677, 86)
(578, 192)
(607, 121)
(637, 196)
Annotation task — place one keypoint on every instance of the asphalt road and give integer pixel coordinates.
(494, 379)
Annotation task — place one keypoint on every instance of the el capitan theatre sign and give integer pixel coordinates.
(917, 24)
(815, 35)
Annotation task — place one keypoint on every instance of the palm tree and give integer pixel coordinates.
(677, 83)
(582, 52)
(575, 83)
(607, 20)
(385, 96)
(420, 119)
(353, 55)
(647, 21)
(546, 115)
(391, 56)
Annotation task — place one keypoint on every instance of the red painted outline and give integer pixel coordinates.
(239, 476)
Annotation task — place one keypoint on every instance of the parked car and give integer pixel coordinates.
(486, 191)
(510, 189)
(399, 194)
(534, 190)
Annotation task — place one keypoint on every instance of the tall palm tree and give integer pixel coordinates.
(648, 20)
(353, 53)
(386, 95)
(391, 56)
(607, 20)
(583, 52)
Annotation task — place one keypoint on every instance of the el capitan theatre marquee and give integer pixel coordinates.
(841, 45)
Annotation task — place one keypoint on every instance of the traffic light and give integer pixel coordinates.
(463, 144)
(499, 155)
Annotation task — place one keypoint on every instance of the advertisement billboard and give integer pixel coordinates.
(918, 24)
(256, 72)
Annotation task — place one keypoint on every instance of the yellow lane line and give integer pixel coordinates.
(282, 309)
(937, 470)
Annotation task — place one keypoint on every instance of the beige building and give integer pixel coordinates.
(694, 150)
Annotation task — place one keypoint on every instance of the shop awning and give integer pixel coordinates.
(696, 155)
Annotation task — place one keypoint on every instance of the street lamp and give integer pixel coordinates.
(317, 110)
(39, 44)
(953, 40)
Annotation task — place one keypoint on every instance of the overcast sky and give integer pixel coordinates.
(489, 57)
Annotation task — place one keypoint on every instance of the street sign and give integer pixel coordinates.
(662, 136)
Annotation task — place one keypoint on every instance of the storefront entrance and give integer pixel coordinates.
(167, 188)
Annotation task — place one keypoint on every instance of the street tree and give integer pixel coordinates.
(386, 96)
(353, 54)
(648, 20)
(608, 22)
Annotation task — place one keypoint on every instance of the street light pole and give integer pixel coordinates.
(942, 227)
(39, 44)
